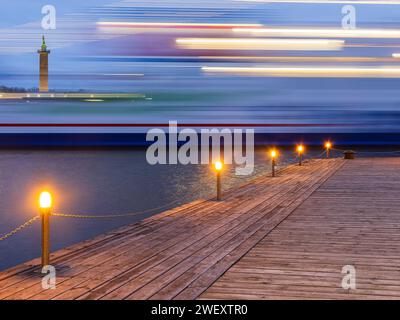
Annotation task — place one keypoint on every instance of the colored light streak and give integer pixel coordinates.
(322, 33)
(308, 72)
(396, 55)
(372, 45)
(258, 44)
(300, 59)
(176, 25)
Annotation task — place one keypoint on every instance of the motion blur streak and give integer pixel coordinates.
(259, 44)
(300, 59)
(327, 33)
(130, 46)
(309, 72)
(378, 2)
(165, 27)
(140, 25)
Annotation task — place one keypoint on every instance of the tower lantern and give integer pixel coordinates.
(44, 67)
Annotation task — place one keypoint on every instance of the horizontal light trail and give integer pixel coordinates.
(308, 72)
(244, 58)
(372, 45)
(322, 32)
(396, 55)
(174, 25)
(301, 59)
(259, 44)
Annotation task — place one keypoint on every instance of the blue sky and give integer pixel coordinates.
(72, 52)
(22, 11)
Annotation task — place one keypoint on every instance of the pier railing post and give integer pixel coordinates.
(274, 154)
(218, 168)
(328, 146)
(45, 212)
(273, 167)
(218, 186)
(300, 150)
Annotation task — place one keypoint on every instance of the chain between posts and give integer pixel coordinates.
(110, 216)
(21, 227)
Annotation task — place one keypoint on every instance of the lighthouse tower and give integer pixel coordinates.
(44, 67)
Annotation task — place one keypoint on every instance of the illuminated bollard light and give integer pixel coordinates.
(218, 165)
(300, 151)
(274, 154)
(328, 146)
(45, 204)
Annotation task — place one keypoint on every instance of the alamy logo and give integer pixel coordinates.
(195, 147)
(49, 280)
(349, 18)
(49, 20)
(349, 280)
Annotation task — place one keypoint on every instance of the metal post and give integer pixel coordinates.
(327, 152)
(273, 167)
(45, 214)
(218, 186)
(300, 158)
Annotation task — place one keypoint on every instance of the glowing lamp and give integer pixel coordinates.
(328, 145)
(218, 165)
(45, 200)
(300, 148)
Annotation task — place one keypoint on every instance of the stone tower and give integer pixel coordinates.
(44, 67)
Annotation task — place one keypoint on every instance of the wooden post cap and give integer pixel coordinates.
(349, 154)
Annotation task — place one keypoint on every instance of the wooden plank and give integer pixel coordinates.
(353, 218)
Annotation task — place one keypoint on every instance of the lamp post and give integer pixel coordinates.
(300, 150)
(328, 146)
(218, 165)
(45, 203)
(274, 154)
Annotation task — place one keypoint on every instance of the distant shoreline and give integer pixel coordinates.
(131, 140)
(85, 96)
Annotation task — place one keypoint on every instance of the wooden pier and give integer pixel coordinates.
(286, 237)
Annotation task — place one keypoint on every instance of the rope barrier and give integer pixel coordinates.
(321, 154)
(21, 227)
(110, 216)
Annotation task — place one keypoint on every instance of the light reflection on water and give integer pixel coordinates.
(97, 182)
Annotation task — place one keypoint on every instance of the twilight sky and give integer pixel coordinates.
(85, 56)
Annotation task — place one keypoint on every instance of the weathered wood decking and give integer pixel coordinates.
(283, 237)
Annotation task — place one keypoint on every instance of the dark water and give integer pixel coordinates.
(97, 182)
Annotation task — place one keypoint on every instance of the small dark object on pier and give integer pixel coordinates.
(349, 154)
